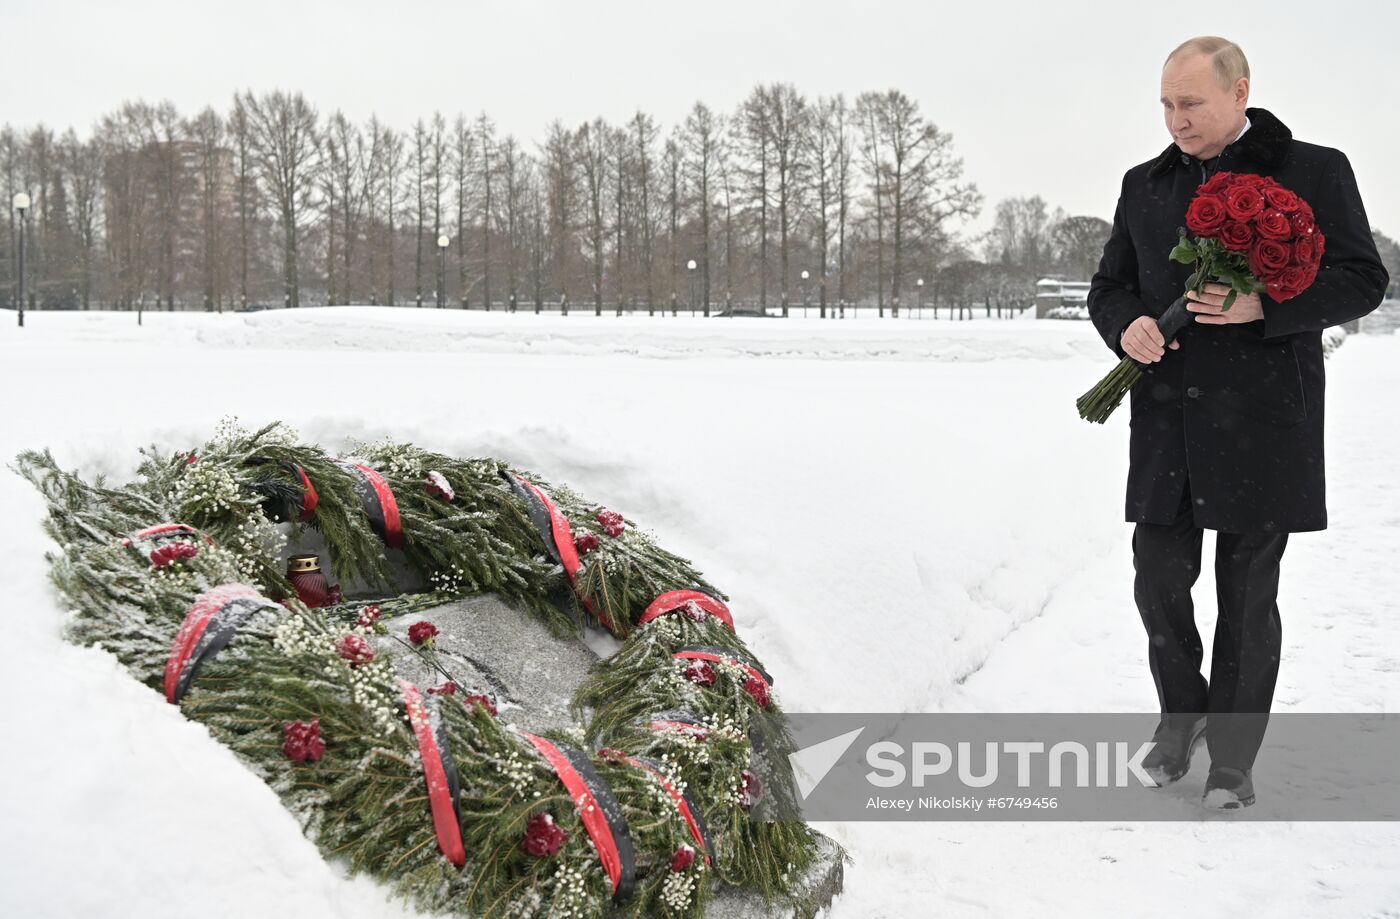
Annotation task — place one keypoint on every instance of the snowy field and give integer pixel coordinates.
(908, 516)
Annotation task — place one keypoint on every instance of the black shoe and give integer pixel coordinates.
(1176, 740)
(1228, 788)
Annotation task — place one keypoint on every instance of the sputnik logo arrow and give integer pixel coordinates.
(811, 764)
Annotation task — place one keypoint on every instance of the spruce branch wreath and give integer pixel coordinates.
(639, 810)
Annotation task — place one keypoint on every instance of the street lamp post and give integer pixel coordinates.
(805, 275)
(22, 205)
(690, 271)
(920, 284)
(442, 270)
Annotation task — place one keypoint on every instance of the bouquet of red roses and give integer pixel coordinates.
(1250, 233)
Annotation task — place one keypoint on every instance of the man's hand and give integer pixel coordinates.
(1210, 302)
(1143, 341)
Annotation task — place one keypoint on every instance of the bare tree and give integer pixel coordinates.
(787, 124)
(703, 138)
(561, 196)
(82, 162)
(1079, 242)
(644, 133)
(283, 129)
(515, 168)
(752, 142)
(671, 161)
(592, 143)
(486, 139)
(464, 164)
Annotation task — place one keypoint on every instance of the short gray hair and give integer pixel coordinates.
(1227, 58)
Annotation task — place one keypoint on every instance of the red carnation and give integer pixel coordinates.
(1267, 257)
(355, 650)
(303, 741)
(543, 837)
(1237, 236)
(448, 688)
(683, 859)
(369, 615)
(422, 633)
(1243, 201)
(759, 690)
(485, 701)
(1206, 215)
(586, 542)
(750, 789)
(700, 673)
(438, 486)
(692, 610)
(611, 522)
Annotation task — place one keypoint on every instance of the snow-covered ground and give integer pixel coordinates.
(908, 515)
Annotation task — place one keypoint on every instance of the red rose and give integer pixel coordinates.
(1281, 198)
(1305, 251)
(683, 859)
(1304, 223)
(1237, 236)
(422, 633)
(1248, 180)
(1268, 257)
(485, 701)
(1243, 201)
(543, 836)
(1205, 215)
(1289, 283)
(759, 690)
(355, 650)
(700, 673)
(303, 741)
(1216, 185)
(162, 556)
(586, 542)
(1273, 225)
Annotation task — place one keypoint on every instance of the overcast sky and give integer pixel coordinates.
(1047, 98)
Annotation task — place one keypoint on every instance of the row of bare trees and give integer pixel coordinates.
(784, 200)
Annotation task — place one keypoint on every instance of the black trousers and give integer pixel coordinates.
(1248, 635)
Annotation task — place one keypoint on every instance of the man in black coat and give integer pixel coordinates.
(1226, 422)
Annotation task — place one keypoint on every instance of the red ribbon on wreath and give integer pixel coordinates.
(598, 809)
(674, 600)
(211, 623)
(558, 538)
(440, 774)
(707, 653)
(378, 501)
(684, 803)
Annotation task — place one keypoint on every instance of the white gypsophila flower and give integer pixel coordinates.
(678, 888)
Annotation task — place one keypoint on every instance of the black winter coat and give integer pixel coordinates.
(1236, 409)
